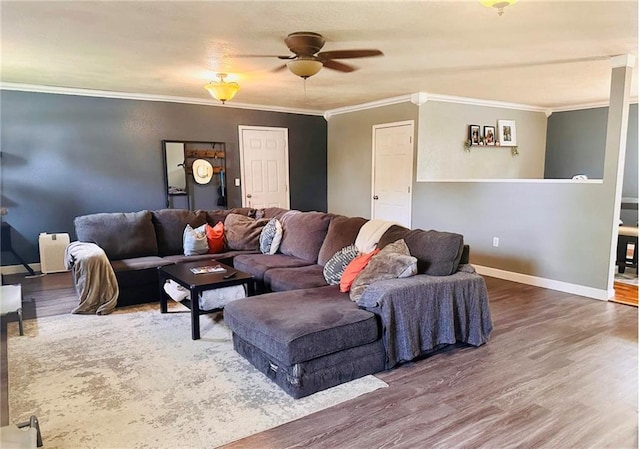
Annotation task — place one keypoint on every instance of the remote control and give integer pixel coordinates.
(230, 275)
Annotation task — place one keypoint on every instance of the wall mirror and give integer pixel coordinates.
(194, 174)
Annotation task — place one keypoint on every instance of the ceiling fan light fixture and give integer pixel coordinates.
(221, 90)
(498, 4)
(304, 67)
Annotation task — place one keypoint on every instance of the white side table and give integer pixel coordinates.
(11, 302)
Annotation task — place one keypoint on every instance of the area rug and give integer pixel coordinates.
(135, 379)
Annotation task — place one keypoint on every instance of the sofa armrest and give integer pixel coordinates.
(421, 313)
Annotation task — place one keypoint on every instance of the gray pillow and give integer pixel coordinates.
(393, 261)
(195, 241)
(270, 237)
(335, 266)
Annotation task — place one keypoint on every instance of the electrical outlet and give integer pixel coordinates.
(496, 242)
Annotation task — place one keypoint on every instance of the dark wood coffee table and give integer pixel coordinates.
(197, 283)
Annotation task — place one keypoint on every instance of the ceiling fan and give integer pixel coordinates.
(307, 59)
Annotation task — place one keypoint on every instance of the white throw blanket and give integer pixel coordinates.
(370, 234)
(93, 277)
(209, 299)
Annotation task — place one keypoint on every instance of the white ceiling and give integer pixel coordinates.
(542, 53)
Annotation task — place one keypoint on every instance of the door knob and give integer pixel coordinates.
(248, 195)
(375, 197)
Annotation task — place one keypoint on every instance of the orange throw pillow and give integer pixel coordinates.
(215, 238)
(354, 268)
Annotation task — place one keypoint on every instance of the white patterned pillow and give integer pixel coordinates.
(270, 237)
(335, 266)
(194, 241)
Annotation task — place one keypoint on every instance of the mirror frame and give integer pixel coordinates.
(188, 192)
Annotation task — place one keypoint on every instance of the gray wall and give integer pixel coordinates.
(575, 145)
(554, 230)
(349, 156)
(64, 156)
(445, 126)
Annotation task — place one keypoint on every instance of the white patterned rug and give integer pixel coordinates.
(135, 379)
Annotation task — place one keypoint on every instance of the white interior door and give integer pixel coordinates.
(392, 172)
(264, 166)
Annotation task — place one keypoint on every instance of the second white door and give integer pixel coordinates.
(392, 172)
(264, 166)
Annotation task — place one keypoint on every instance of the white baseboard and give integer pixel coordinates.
(16, 269)
(575, 289)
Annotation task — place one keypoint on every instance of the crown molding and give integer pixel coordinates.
(370, 105)
(595, 104)
(149, 97)
(418, 98)
(485, 103)
(623, 61)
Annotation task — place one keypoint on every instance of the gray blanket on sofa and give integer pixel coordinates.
(93, 277)
(451, 309)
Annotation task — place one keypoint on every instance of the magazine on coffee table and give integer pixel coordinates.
(208, 269)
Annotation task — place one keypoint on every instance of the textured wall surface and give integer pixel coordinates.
(445, 126)
(349, 156)
(64, 156)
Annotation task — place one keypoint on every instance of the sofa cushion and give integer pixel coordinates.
(303, 234)
(243, 233)
(393, 234)
(393, 261)
(139, 263)
(169, 225)
(195, 240)
(216, 215)
(354, 268)
(270, 237)
(273, 212)
(342, 232)
(335, 267)
(215, 237)
(212, 257)
(438, 253)
(300, 325)
(296, 278)
(258, 264)
(120, 235)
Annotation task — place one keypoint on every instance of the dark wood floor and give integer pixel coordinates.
(560, 371)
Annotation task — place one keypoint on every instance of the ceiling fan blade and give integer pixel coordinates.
(348, 54)
(262, 56)
(339, 66)
(279, 68)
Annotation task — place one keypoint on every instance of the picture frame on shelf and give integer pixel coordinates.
(507, 135)
(489, 135)
(474, 135)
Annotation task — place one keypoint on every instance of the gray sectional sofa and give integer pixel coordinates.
(303, 333)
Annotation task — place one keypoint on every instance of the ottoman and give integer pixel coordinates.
(306, 340)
